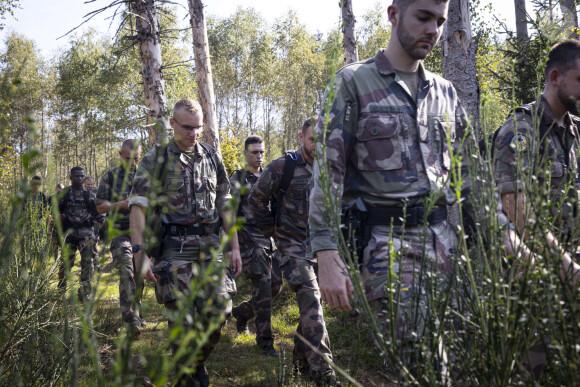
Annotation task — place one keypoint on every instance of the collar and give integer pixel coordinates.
(549, 120)
(384, 66)
(173, 148)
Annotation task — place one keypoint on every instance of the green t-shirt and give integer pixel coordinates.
(411, 80)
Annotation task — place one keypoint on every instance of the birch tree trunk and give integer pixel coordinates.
(147, 34)
(349, 34)
(521, 21)
(569, 17)
(459, 50)
(203, 73)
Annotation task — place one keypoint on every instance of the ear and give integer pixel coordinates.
(301, 136)
(393, 13)
(555, 77)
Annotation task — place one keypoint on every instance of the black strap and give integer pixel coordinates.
(177, 229)
(412, 216)
(241, 175)
(287, 175)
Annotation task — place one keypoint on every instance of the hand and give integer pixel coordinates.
(335, 284)
(236, 262)
(124, 205)
(143, 266)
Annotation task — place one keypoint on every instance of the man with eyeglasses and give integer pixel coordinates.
(113, 200)
(184, 188)
(261, 260)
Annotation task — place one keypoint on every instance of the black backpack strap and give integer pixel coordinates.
(241, 176)
(287, 175)
(64, 201)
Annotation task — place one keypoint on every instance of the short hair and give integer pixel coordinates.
(252, 140)
(76, 169)
(562, 56)
(187, 104)
(404, 4)
(37, 178)
(60, 185)
(311, 121)
(89, 177)
(130, 144)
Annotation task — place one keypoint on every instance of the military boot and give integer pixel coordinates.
(241, 321)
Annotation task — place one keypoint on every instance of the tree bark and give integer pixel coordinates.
(349, 34)
(521, 21)
(459, 50)
(569, 17)
(203, 73)
(147, 34)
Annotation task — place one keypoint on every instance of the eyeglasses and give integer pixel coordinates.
(189, 128)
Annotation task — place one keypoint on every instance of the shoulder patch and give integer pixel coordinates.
(519, 143)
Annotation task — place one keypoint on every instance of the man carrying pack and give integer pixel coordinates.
(113, 200)
(542, 138)
(261, 260)
(99, 222)
(290, 228)
(185, 186)
(77, 211)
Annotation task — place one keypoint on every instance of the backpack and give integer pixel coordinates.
(287, 174)
(64, 203)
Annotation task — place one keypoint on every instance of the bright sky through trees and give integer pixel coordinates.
(44, 21)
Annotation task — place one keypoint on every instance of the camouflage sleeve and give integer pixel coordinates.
(141, 186)
(262, 191)
(104, 190)
(334, 149)
(93, 205)
(514, 142)
(223, 184)
(235, 183)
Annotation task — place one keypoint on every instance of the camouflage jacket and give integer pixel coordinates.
(34, 205)
(115, 186)
(382, 145)
(517, 143)
(291, 236)
(80, 216)
(251, 236)
(188, 193)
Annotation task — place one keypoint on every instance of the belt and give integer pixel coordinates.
(413, 216)
(180, 230)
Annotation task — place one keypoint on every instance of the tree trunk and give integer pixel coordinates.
(459, 50)
(349, 33)
(569, 17)
(521, 21)
(147, 29)
(203, 73)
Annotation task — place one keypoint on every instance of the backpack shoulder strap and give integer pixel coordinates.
(287, 174)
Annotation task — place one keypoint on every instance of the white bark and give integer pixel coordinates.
(569, 17)
(459, 57)
(147, 34)
(203, 73)
(521, 21)
(349, 34)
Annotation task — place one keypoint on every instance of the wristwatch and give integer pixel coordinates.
(137, 248)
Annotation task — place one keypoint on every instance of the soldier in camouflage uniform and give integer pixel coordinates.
(78, 210)
(386, 144)
(297, 263)
(99, 222)
(113, 200)
(261, 260)
(519, 142)
(190, 200)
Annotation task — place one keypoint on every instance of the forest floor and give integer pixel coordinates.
(237, 361)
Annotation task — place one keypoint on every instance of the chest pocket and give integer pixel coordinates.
(205, 196)
(296, 202)
(378, 143)
(439, 129)
(175, 188)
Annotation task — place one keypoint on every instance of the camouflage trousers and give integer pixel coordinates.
(262, 267)
(85, 248)
(205, 312)
(421, 260)
(121, 248)
(301, 277)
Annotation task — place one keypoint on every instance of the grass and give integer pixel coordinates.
(236, 360)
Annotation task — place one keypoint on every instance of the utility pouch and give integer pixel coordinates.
(354, 229)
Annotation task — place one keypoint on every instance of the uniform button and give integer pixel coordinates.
(374, 130)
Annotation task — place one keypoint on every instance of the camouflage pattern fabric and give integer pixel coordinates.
(518, 140)
(262, 267)
(301, 277)
(115, 186)
(76, 211)
(193, 190)
(261, 264)
(85, 248)
(292, 235)
(123, 255)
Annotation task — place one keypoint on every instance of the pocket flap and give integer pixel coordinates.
(379, 127)
(174, 183)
